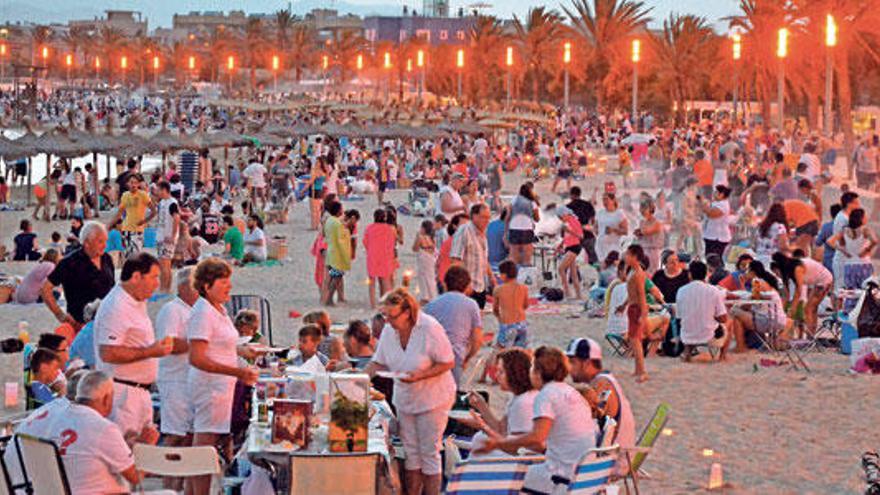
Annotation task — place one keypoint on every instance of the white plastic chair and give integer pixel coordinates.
(179, 462)
(41, 456)
(350, 474)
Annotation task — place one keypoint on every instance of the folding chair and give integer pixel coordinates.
(256, 303)
(644, 445)
(619, 344)
(179, 462)
(349, 474)
(5, 480)
(42, 456)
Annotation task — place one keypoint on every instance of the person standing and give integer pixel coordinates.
(585, 213)
(716, 234)
(134, 203)
(521, 225)
(126, 345)
(213, 360)
(338, 257)
(167, 233)
(460, 317)
(84, 275)
(636, 307)
(470, 249)
(450, 198)
(414, 345)
(175, 402)
(611, 224)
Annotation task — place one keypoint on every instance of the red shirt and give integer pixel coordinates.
(443, 259)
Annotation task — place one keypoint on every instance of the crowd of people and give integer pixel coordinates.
(728, 197)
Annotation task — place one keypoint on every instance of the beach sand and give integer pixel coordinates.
(773, 430)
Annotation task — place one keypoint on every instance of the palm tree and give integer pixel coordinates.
(111, 40)
(40, 36)
(482, 60)
(680, 52)
(302, 48)
(218, 45)
(284, 20)
(342, 51)
(538, 38)
(254, 41)
(605, 27)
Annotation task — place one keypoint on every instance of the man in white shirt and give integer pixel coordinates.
(167, 231)
(255, 173)
(96, 458)
(175, 405)
(700, 308)
(126, 347)
(451, 203)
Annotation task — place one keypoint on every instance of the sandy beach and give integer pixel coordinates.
(773, 430)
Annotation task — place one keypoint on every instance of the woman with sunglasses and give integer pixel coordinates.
(416, 349)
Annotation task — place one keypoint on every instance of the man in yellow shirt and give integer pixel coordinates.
(134, 203)
(338, 258)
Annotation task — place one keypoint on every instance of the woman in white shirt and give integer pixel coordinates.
(611, 224)
(416, 349)
(254, 240)
(716, 233)
(563, 425)
(806, 282)
(213, 358)
(513, 376)
(768, 319)
(521, 225)
(772, 234)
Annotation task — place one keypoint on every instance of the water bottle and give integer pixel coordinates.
(23, 334)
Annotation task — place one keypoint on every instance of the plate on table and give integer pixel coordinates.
(742, 294)
(284, 446)
(394, 375)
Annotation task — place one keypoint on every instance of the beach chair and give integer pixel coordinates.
(619, 345)
(636, 455)
(179, 462)
(41, 456)
(256, 303)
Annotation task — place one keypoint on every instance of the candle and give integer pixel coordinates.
(708, 452)
(10, 397)
(716, 477)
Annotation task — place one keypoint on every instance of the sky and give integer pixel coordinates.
(159, 12)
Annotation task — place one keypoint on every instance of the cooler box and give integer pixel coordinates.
(276, 248)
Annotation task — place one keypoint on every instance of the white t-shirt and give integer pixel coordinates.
(697, 304)
(718, 229)
(171, 322)
(123, 321)
(256, 174)
(617, 323)
(521, 412)
(428, 344)
(213, 326)
(455, 201)
(605, 243)
(92, 448)
(256, 234)
(165, 221)
(480, 146)
(573, 432)
(815, 273)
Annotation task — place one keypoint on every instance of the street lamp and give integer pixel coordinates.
(123, 63)
(636, 58)
(566, 60)
(359, 63)
(230, 66)
(325, 63)
(509, 62)
(276, 64)
(387, 65)
(97, 67)
(830, 42)
(156, 71)
(737, 55)
(459, 62)
(68, 62)
(781, 53)
(3, 51)
(420, 63)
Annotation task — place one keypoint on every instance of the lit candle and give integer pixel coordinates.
(407, 276)
(716, 477)
(708, 452)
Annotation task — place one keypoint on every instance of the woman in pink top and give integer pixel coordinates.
(380, 240)
(572, 234)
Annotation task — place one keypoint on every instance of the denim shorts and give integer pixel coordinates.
(513, 335)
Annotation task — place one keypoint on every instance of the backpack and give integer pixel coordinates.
(552, 294)
(868, 321)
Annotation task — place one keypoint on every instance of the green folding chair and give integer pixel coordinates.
(644, 445)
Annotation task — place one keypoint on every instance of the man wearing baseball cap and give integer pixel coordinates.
(585, 357)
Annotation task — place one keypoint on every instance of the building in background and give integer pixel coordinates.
(434, 30)
(130, 23)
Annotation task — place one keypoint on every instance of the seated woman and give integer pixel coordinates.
(28, 291)
(736, 280)
(513, 376)
(562, 426)
(766, 319)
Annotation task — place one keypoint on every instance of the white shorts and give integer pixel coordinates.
(212, 405)
(422, 437)
(175, 409)
(132, 408)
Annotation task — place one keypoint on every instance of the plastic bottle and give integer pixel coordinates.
(23, 334)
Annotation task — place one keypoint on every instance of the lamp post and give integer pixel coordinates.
(566, 60)
(737, 55)
(459, 63)
(156, 66)
(230, 66)
(636, 58)
(781, 53)
(191, 66)
(830, 43)
(44, 53)
(4, 50)
(97, 68)
(420, 63)
(325, 64)
(276, 64)
(509, 62)
(386, 63)
(68, 62)
(359, 63)
(123, 64)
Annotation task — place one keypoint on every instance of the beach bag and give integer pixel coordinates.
(552, 294)
(868, 321)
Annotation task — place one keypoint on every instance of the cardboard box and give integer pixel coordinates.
(276, 248)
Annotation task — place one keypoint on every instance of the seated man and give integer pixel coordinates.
(703, 315)
(585, 358)
(95, 455)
